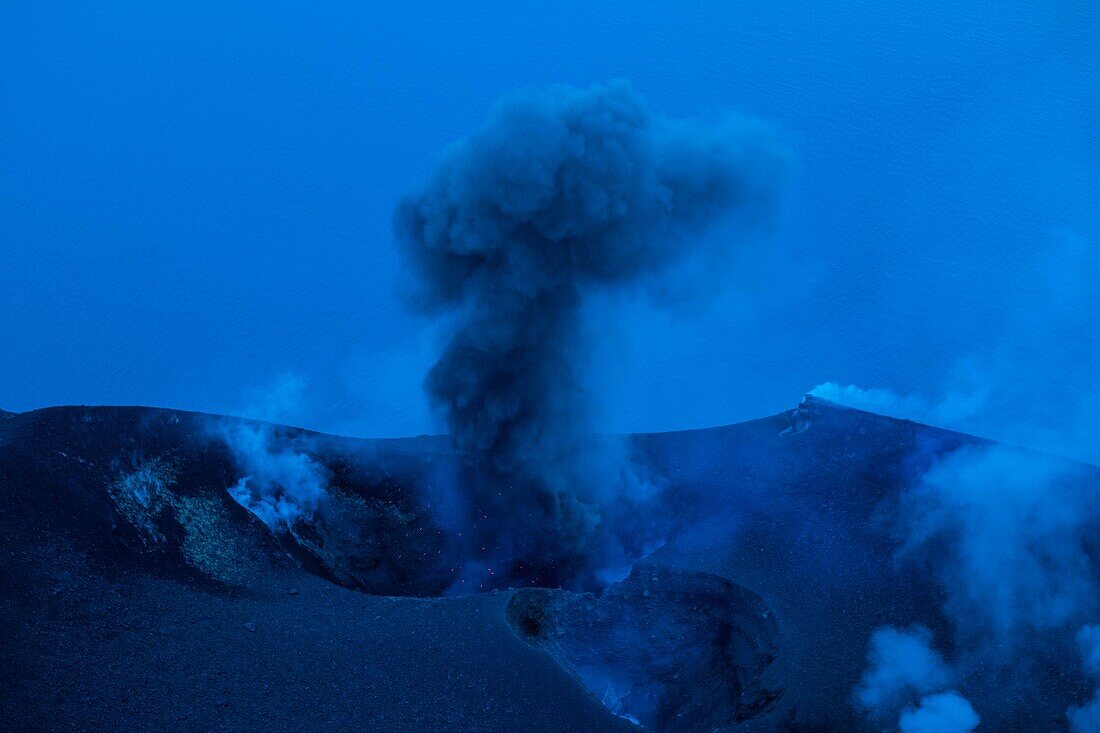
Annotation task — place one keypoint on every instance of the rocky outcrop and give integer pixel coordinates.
(152, 488)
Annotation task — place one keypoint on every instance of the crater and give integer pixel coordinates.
(669, 649)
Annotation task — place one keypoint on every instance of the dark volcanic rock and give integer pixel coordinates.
(128, 573)
(149, 488)
(673, 650)
(138, 595)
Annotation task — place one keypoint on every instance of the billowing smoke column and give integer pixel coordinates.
(561, 192)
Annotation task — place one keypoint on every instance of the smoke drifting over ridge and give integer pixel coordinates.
(1008, 536)
(561, 192)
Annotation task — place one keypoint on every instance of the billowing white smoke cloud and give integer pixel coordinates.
(944, 712)
(1012, 537)
(1086, 718)
(902, 666)
(1010, 531)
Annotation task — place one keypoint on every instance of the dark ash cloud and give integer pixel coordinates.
(560, 193)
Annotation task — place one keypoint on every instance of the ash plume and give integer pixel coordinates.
(560, 193)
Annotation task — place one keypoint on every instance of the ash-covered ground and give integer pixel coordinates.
(821, 569)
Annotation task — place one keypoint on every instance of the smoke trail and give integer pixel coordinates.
(951, 411)
(559, 193)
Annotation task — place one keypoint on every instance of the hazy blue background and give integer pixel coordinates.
(195, 204)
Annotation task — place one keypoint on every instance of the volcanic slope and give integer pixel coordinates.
(138, 592)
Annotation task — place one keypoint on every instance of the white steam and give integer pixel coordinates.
(1016, 527)
(944, 712)
(950, 411)
(280, 482)
(905, 673)
(902, 665)
(1010, 536)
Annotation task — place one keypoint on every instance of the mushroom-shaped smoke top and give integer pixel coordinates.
(559, 193)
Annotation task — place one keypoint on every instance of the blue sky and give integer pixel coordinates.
(196, 204)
